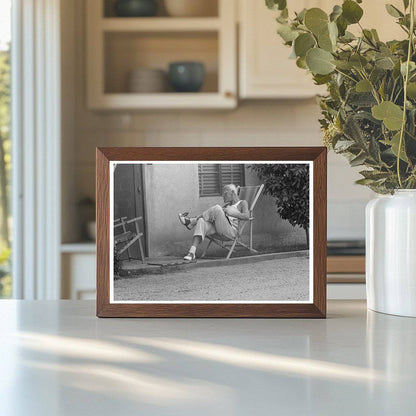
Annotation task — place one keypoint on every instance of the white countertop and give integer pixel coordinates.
(56, 358)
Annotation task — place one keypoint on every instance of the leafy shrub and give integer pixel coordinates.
(289, 185)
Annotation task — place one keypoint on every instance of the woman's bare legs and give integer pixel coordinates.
(211, 221)
(196, 241)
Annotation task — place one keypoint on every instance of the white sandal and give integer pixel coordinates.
(183, 218)
(190, 257)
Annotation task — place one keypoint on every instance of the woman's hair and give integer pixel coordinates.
(234, 191)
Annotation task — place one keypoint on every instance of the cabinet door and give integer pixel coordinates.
(265, 68)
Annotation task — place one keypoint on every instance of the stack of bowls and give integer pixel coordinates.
(147, 80)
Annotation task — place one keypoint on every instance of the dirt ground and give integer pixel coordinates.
(272, 280)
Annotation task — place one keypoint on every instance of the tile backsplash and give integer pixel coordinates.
(287, 123)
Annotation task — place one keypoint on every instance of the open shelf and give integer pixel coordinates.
(116, 46)
(127, 51)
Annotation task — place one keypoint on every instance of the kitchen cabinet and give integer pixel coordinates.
(78, 263)
(265, 70)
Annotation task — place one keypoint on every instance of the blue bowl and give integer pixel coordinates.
(186, 76)
(135, 8)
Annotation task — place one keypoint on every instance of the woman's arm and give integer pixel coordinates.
(244, 213)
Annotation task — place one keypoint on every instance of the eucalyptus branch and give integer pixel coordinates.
(346, 75)
(373, 89)
(369, 41)
(392, 90)
(397, 95)
(381, 118)
(406, 79)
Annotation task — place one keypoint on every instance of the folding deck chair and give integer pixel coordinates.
(251, 194)
(127, 238)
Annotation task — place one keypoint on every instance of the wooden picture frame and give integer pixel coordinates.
(315, 308)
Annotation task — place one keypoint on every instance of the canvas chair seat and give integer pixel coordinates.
(250, 194)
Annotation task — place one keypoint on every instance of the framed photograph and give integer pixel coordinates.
(211, 232)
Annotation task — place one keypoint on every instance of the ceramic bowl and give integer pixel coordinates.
(135, 8)
(186, 76)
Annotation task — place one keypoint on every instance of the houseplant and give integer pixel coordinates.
(368, 116)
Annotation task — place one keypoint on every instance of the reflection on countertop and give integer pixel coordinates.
(63, 360)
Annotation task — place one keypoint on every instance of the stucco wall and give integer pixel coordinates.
(172, 188)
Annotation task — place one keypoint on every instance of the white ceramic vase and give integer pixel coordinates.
(391, 253)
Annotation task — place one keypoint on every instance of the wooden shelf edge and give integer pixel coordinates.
(162, 101)
(159, 24)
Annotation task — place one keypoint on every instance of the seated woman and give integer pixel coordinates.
(222, 220)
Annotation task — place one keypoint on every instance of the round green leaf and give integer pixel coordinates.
(327, 40)
(324, 42)
(319, 61)
(363, 86)
(351, 11)
(286, 32)
(303, 43)
(276, 4)
(342, 25)
(342, 64)
(301, 63)
(358, 61)
(336, 12)
(385, 63)
(391, 114)
(333, 32)
(411, 90)
(316, 20)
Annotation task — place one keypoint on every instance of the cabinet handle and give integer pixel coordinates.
(228, 94)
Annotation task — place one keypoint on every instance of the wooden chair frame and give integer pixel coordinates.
(221, 240)
(123, 222)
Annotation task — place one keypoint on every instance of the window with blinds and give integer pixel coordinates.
(213, 177)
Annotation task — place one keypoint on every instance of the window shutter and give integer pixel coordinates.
(213, 177)
(232, 174)
(209, 183)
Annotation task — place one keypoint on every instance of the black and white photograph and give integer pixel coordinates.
(211, 232)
